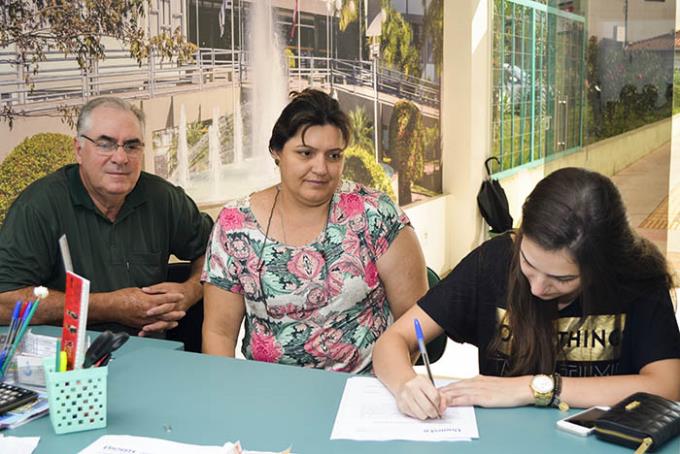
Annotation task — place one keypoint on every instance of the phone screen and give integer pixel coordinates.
(586, 418)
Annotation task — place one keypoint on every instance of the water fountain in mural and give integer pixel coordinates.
(214, 158)
(250, 169)
(238, 134)
(269, 75)
(182, 150)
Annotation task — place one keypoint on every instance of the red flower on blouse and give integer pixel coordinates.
(264, 348)
(231, 219)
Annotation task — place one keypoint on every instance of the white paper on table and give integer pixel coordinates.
(145, 445)
(38, 345)
(368, 411)
(28, 361)
(18, 445)
(129, 444)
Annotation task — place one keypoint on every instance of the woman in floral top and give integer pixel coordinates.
(318, 267)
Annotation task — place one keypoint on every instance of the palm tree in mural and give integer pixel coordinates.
(397, 47)
(362, 129)
(349, 11)
(434, 30)
(407, 146)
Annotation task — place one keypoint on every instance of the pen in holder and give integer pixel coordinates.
(77, 398)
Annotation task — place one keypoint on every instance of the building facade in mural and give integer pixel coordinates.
(209, 119)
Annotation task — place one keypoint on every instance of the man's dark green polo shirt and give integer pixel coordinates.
(156, 220)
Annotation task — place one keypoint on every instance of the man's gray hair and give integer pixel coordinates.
(83, 123)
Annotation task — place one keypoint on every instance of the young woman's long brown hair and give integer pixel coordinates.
(580, 211)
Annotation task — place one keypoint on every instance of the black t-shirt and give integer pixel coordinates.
(469, 304)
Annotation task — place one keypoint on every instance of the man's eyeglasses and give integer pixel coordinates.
(108, 146)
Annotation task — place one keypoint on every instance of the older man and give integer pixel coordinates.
(122, 225)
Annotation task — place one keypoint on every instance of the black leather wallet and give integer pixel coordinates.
(643, 421)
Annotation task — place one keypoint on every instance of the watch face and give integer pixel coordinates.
(542, 383)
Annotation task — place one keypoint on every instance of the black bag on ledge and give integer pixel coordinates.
(493, 203)
(641, 421)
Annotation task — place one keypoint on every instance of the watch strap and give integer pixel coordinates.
(556, 400)
(557, 388)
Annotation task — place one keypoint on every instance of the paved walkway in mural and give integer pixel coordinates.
(644, 188)
(645, 191)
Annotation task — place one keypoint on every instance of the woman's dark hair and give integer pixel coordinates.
(307, 108)
(580, 211)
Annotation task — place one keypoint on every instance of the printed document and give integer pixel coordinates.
(38, 345)
(130, 444)
(368, 411)
(144, 445)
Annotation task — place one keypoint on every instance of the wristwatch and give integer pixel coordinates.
(543, 387)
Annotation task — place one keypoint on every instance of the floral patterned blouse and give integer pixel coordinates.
(319, 305)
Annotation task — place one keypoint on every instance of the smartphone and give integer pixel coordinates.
(582, 423)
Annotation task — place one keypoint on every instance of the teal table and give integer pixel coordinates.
(202, 399)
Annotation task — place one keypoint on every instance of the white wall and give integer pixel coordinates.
(429, 221)
(466, 116)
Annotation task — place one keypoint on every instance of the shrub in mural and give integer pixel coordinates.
(33, 158)
(360, 166)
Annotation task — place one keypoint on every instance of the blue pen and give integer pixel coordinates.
(23, 326)
(13, 331)
(421, 347)
(12, 327)
(23, 321)
(13, 321)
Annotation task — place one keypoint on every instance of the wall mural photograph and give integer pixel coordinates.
(212, 77)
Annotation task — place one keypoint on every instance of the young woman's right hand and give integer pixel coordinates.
(419, 398)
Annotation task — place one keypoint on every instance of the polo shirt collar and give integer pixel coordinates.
(80, 196)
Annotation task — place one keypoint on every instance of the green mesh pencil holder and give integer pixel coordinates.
(77, 398)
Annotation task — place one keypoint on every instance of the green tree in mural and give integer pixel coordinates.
(624, 87)
(593, 87)
(360, 166)
(434, 30)
(397, 49)
(79, 28)
(361, 129)
(407, 143)
(33, 158)
(348, 11)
